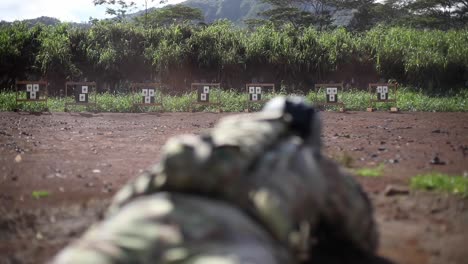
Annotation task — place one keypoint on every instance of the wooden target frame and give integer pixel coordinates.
(380, 93)
(150, 94)
(203, 92)
(256, 91)
(35, 91)
(332, 90)
(81, 91)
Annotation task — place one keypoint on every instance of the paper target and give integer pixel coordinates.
(251, 90)
(84, 89)
(383, 96)
(35, 87)
(148, 95)
(203, 97)
(82, 97)
(384, 89)
(32, 95)
(379, 89)
(258, 90)
(332, 90)
(254, 97)
(206, 89)
(29, 87)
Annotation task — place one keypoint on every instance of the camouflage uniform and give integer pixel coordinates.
(253, 190)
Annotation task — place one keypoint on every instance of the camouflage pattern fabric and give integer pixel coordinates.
(259, 174)
(176, 228)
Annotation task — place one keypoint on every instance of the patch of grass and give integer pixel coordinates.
(370, 172)
(40, 194)
(233, 101)
(441, 182)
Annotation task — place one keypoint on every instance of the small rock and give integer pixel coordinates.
(89, 184)
(14, 178)
(61, 189)
(382, 149)
(18, 158)
(39, 236)
(392, 190)
(393, 161)
(436, 161)
(96, 171)
(436, 131)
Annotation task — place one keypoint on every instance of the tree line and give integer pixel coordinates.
(178, 52)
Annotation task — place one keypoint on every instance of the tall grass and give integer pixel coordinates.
(232, 101)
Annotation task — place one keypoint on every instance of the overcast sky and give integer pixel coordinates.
(65, 10)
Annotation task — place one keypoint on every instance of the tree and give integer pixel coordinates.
(304, 13)
(117, 8)
(175, 14)
(436, 14)
(19, 45)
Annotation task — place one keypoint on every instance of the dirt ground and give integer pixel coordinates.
(80, 160)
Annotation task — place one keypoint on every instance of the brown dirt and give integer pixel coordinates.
(82, 159)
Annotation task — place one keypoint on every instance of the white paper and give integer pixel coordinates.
(332, 90)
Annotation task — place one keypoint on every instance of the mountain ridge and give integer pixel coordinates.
(236, 11)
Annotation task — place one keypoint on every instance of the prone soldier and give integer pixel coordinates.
(255, 189)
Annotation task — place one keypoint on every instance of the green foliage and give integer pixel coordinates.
(19, 45)
(171, 15)
(55, 51)
(119, 53)
(233, 101)
(441, 182)
(420, 56)
(304, 13)
(117, 8)
(370, 172)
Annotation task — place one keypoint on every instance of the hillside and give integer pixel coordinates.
(234, 10)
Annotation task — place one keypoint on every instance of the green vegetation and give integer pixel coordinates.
(113, 54)
(441, 182)
(40, 194)
(233, 101)
(370, 172)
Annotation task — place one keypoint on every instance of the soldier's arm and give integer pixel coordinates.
(205, 164)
